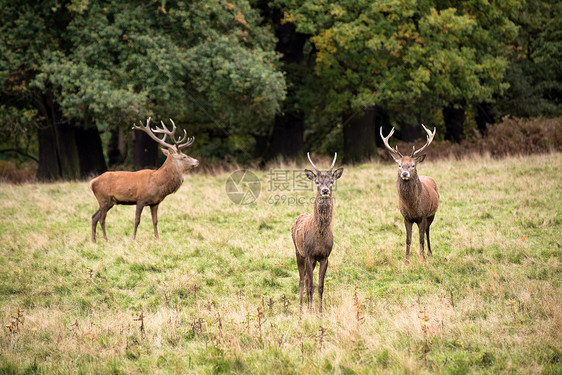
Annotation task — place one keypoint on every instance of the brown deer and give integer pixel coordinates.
(145, 187)
(418, 197)
(312, 233)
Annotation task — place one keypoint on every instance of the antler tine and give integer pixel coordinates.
(146, 128)
(310, 160)
(334, 162)
(180, 142)
(385, 140)
(188, 143)
(430, 136)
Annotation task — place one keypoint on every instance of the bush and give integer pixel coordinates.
(512, 136)
(12, 173)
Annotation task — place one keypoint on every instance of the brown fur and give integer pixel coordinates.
(418, 197)
(418, 200)
(142, 188)
(313, 238)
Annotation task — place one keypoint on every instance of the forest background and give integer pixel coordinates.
(256, 80)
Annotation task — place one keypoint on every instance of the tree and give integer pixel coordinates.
(534, 73)
(107, 65)
(414, 56)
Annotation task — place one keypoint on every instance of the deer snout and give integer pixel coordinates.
(325, 191)
(195, 163)
(405, 175)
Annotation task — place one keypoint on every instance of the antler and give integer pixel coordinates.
(334, 162)
(178, 145)
(310, 160)
(317, 170)
(385, 140)
(430, 136)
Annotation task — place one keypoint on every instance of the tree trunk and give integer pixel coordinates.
(359, 137)
(90, 151)
(454, 123)
(145, 151)
(287, 138)
(58, 154)
(117, 147)
(484, 117)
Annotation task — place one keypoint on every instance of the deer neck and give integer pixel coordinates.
(168, 176)
(322, 216)
(409, 190)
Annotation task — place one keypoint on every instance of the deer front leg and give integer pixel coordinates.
(154, 213)
(138, 212)
(408, 225)
(309, 283)
(321, 275)
(301, 264)
(421, 226)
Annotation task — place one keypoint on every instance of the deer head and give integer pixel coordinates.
(407, 164)
(181, 161)
(323, 181)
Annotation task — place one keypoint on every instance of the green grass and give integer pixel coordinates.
(219, 290)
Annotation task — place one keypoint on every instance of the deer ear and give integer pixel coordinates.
(420, 158)
(309, 174)
(338, 173)
(165, 152)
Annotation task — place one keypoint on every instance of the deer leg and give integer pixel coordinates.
(309, 283)
(138, 212)
(408, 225)
(429, 221)
(422, 226)
(103, 214)
(302, 277)
(95, 219)
(154, 213)
(321, 275)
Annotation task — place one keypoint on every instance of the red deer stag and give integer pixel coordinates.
(145, 187)
(312, 233)
(418, 197)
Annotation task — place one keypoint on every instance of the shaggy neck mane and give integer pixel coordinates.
(409, 190)
(323, 208)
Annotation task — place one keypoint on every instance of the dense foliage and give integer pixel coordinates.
(253, 79)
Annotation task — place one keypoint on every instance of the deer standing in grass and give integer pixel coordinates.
(145, 187)
(312, 233)
(418, 197)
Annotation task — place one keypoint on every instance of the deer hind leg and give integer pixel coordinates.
(154, 213)
(103, 214)
(301, 264)
(408, 225)
(321, 275)
(138, 212)
(95, 219)
(429, 221)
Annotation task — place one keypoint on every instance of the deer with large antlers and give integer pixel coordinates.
(312, 233)
(418, 197)
(145, 187)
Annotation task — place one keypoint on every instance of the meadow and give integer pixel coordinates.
(218, 293)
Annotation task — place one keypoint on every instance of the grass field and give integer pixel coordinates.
(219, 291)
